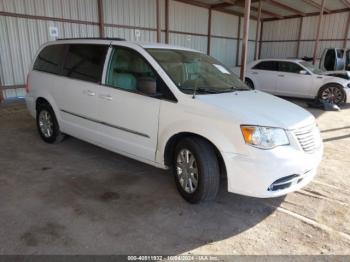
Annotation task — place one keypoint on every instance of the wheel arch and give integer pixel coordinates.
(49, 100)
(39, 101)
(247, 78)
(175, 138)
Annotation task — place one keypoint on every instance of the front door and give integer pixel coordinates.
(129, 116)
(265, 74)
(293, 80)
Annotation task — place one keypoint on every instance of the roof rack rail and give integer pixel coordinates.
(93, 38)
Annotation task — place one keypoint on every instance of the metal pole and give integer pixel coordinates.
(258, 23)
(238, 40)
(159, 32)
(261, 38)
(346, 35)
(209, 32)
(318, 32)
(299, 36)
(245, 38)
(101, 18)
(167, 21)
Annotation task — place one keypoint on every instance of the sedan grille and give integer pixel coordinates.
(309, 138)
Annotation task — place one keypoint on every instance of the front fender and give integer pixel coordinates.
(223, 141)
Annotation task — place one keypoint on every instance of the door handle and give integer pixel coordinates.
(89, 92)
(106, 97)
(255, 73)
(281, 75)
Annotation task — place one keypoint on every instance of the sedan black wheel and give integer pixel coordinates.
(332, 94)
(249, 83)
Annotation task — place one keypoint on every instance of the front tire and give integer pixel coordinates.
(47, 124)
(196, 170)
(249, 83)
(332, 93)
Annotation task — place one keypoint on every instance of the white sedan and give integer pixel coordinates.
(296, 78)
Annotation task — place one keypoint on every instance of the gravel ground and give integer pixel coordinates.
(75, 198)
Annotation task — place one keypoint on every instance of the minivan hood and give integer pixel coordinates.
(259, 108)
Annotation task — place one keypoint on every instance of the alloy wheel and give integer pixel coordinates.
(333, 95)
(45, 123)
(187, 171)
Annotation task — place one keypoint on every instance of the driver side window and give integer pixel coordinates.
(127, 70)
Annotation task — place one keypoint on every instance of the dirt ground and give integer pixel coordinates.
(75, 198)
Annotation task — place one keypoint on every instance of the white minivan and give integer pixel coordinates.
(176, 108)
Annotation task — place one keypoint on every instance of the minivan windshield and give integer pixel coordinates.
(311, 67)
(193, 70)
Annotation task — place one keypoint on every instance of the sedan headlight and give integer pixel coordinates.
(264, 137)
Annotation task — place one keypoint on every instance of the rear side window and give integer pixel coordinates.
(266, 65)
(85, 62)
(50, 59)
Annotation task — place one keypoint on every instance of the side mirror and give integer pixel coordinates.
(147, 86)
(303, 72)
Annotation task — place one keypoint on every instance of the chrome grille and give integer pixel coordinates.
(309, 138)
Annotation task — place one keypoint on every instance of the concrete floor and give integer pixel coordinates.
(75, 198)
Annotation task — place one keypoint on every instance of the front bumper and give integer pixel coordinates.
(253, 175)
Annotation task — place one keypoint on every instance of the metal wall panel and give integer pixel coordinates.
(188, 18)
(224, 24)
(85, 10)
(140, 13)
(278, 49)
(129, 34)
(307, 47)
(23, 37)
(252, 28)
(309, 27)
(224, 50)
(250, 51)
(333, 28)
(189, 41)
(281, 29)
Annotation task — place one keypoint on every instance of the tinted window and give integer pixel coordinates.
(128, 70)
(289, 67)
(267, 65)
(329, 60)
(85, 62)
(50, 59)
(347, 62)
(340, 53)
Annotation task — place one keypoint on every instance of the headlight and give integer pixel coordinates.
(264, 137)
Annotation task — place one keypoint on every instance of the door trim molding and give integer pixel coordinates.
(106, 124)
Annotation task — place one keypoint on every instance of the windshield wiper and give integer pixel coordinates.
(231, 89)
(201, 90)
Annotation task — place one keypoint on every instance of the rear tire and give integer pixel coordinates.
(249, 83)
(196, 170)
(47, 124)
(332, 93)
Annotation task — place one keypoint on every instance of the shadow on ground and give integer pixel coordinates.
(75, 198)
